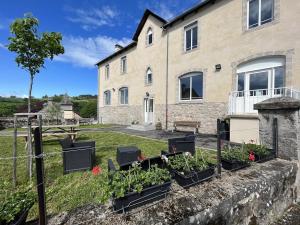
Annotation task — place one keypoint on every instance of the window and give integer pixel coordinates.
(124, 64)
(261, 77)
(260, 12)
(149, 37)
(191, 86)
(107, 72)
(107, 98)
(149, 76)
(123, 92)
(191, 36)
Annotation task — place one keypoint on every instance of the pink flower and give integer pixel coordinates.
(96, 170)
(141, 157)
(251, 156)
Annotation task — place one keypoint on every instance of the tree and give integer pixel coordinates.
(32, 50)
(89, 110)
(54, 112)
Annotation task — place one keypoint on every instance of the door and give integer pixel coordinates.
(259, 88)
(148, 106)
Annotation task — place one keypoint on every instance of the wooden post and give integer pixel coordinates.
(275, 136)
(40, 175)
(15, 145)
(219, 147)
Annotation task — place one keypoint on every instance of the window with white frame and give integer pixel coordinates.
(123, 95)
(261, 77)
(123, 64)
(107, 97)
(191, 36)
(260, 12)
(107, 72)
(149, 77)
(149, 36)
(191, 86)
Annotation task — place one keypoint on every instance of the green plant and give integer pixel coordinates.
(235, 153)
(259, 150)
(15, 204)
(187, 163)
(135, 180)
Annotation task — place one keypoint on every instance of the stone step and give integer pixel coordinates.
(142, 127)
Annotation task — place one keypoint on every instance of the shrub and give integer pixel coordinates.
(15, 204)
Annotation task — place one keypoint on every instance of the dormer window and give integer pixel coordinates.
(260, 12)
(149, 37)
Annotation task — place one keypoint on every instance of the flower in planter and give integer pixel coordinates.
(96, 170)
(251, 156)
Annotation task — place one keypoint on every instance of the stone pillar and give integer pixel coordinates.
(287, 112)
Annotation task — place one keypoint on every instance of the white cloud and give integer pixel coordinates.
(85, 52)
(93, 18)
(164, 11)
(2, 46)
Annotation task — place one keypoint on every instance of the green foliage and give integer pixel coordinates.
(235, 153)
(89, 110)
(136, 179)
(187, 163)
(7, 109)
(15, 204)
(259, 150)
(32, 48)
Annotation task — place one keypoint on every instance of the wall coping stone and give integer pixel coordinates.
(278, 103)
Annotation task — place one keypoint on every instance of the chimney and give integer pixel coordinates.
(118, 47)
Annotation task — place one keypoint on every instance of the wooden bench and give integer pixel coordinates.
(194, 124)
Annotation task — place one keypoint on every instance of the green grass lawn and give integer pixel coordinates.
(66, 192)
(97, 126)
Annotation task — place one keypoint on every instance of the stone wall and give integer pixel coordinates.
(207, 113)
(257, 195)
(287, 112)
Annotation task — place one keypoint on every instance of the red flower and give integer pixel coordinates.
(251, 156)
(141, 157)
(96, 170)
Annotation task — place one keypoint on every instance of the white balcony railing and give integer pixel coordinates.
(242, 102)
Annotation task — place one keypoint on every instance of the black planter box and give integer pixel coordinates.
(234, 164)
(193, 178)
(265, 158)
(148, 195)
(19, 220)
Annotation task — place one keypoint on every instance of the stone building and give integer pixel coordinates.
(214, 60)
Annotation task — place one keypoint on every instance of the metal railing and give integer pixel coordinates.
(242, 102)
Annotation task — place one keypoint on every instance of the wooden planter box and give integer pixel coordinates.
(233, 165)
(134, 199)
(193, 178)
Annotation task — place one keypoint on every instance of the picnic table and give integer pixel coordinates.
(56, 131)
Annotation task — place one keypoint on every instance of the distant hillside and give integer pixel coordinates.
(84, 105)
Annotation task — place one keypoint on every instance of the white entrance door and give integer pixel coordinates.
(148, 106)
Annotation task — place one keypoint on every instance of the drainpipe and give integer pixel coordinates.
(167, 78)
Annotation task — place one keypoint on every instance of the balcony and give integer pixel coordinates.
(242, 102)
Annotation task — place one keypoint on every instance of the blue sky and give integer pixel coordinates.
(90, 29)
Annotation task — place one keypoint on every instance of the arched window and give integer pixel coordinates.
(107, 97)
(123, 95)
(149, 36)
(263, 76)
(191, 86)
(149, 77)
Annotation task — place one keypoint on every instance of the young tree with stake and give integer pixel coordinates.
(32, 49)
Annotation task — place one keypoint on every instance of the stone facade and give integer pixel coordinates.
(222, 39)
(207, 113)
